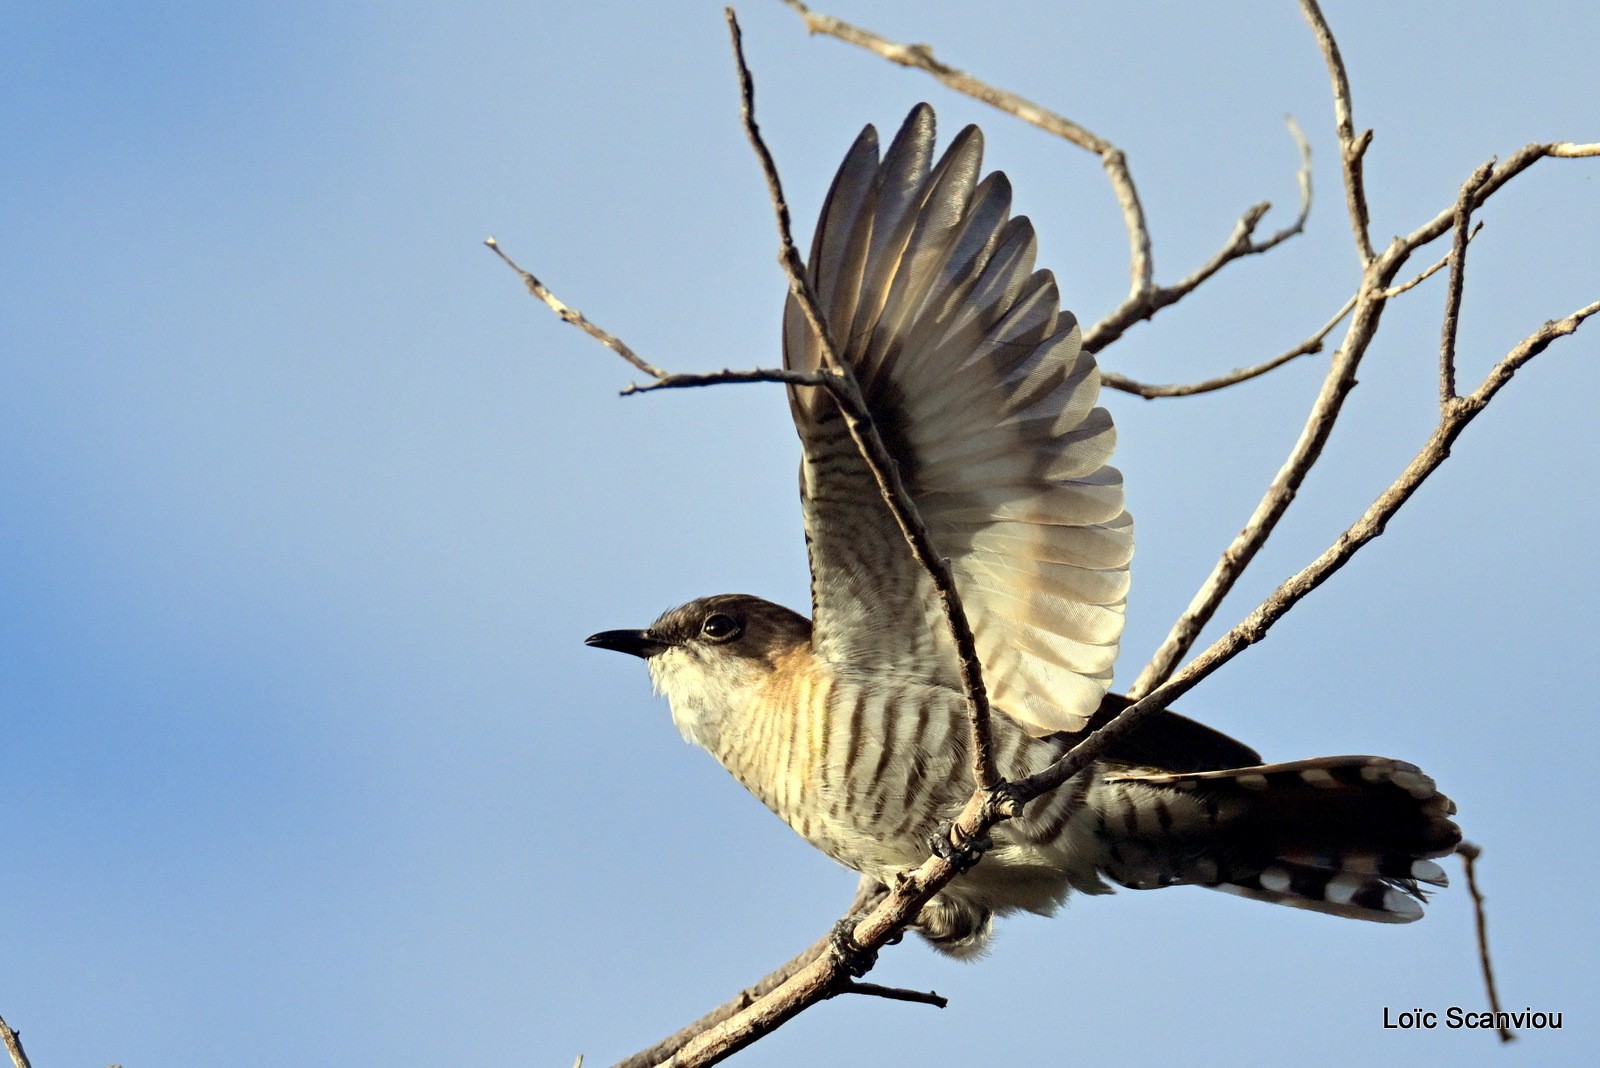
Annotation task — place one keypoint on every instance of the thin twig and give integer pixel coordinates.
(1458, 275)
(920, 57)
(1303, 180)
(1115, 161)
(574, 316)
(13, 1045)
(1514, 164)
(1351, 146)
(826, 379)
(1466, 407)
(1470, 853)
(895, 993)
(1148, 391)
(1143, 305)
(1145, 298)
(869, 443)
(1428, 272)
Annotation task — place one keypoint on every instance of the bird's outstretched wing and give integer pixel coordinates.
(981, 390)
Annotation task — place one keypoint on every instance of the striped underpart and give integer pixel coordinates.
(869, 771)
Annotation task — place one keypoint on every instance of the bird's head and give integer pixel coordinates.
(713, 657)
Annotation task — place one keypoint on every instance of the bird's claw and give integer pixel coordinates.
(964, 855)
(856, 959)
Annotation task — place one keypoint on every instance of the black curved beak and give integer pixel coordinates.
(633, 642)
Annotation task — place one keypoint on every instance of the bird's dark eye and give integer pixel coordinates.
(721, 628)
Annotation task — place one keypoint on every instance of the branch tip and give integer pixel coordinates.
(1351, 147)
(1470, 853)
(893, 993)
(573, 316)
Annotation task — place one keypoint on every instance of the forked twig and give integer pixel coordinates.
(1242, 243)
(1428, 272)
(920, 57)
(1352, 147)
(1310, 345)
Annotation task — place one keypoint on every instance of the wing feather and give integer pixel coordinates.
(978, 383)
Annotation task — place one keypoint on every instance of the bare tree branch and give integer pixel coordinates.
(826, 379)
(1144, 304)
(13, 1045)
(574, 316)
(920, 57)
(1458, 275)
(1145, 298)
(868, 894)
(1515, 164)
(1310, 345)
(1462, 409)
(1427, 272)
(1351, 146)
(1469, 853)
(814, 981)
(894, 993)
(1569, 150)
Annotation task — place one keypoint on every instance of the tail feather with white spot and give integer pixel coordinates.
(1349, 836)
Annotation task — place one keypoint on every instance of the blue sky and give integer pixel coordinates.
(305, 510)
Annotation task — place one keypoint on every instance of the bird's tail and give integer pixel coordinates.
(1350, 836)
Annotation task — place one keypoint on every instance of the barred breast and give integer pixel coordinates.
(869, 770)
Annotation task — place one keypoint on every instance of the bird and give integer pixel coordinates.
(852, 725)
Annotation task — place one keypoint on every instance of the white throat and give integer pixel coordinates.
(711, 694)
